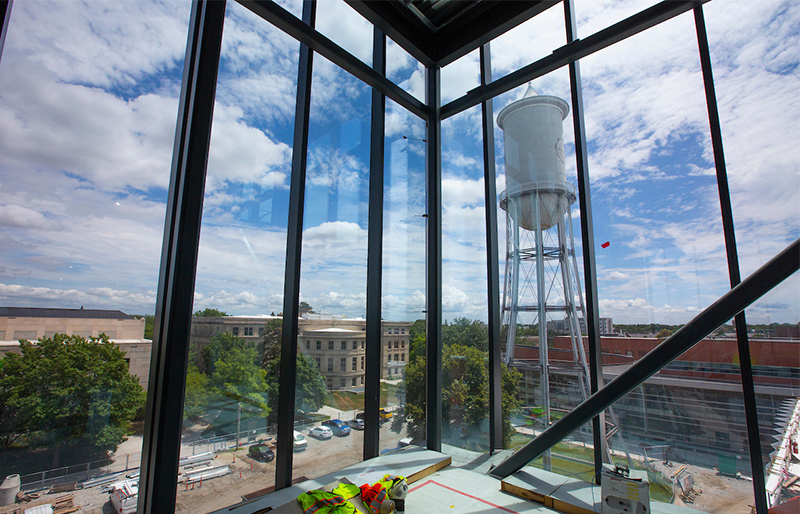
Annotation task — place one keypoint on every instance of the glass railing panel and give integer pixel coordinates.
(403, 289)
(228, 444)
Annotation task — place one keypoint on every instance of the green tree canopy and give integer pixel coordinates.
(310, 393)
(67, 391)
(465, 392)
(209, 313)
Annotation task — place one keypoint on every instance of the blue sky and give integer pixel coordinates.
(88, 103)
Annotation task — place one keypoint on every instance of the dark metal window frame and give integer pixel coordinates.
(184, 209)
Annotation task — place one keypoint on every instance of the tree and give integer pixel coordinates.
(304, 307)
(197, 393)
(310, 393)
(68, 392)
(465, 395)
(664, 333)
(216, 348)
(209, 313)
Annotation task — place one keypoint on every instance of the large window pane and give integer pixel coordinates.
(403, 301)
(333, 276)
(88, 104)
(231, 385)
(661, 260)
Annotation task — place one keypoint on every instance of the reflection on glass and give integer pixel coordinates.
(228, 443)
(405, 71)
(333, 287)
(460, 76)
(465, 376)
(84, 166)
(528, 42)
(403, 286)
(345, 27)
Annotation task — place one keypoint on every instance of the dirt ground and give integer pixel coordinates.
(247, 476)
(717, 494)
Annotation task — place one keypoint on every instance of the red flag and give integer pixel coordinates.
(606, 244)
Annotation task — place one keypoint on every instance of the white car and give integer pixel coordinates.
(321, 432)
(299, 443)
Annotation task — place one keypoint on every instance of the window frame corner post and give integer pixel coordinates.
(287, 384)
(587, 241)
(372, 386)
(492, 256)
(5, 17)
(173, 317)
(433, 268)
(731, 253)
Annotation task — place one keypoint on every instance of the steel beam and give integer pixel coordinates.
(173, 317)
(372, 386)
(307, 35)
(433, 268)
(571, 52)
(492, 266)
(745, 365)
(731, 303)
(294, 244)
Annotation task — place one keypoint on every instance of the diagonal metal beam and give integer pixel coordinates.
(731, 303)
(571, 52)
(305, 34)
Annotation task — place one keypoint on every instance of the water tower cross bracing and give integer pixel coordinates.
(541, 275)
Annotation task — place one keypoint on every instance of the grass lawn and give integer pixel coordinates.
(345, 401)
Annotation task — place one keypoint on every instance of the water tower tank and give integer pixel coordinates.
(534, 157)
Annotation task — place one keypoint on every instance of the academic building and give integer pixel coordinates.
(336, 343)
(125, 331)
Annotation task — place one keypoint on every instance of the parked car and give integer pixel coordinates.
(383, 416)
(321, 432)
(357, 424)
(338, 427)
(261, 451)
(299, 443)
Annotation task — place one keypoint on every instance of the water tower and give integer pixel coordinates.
(541, 275)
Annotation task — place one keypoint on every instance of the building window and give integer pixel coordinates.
(330, 363)
(248, 331)
(362, 345)
(362, 380)
(319, 365)
(330, 384)
(330, 345)
(402, 357)
(341, 383)
(260, 331)
(308, 345)
(319, 345)
(397, 344)
(402, 344)
(343, 364)
(355, 345)
(362, 363)
(344, 345)
(355, 364)
(235, 331)
(402, 331)
(354, 382)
